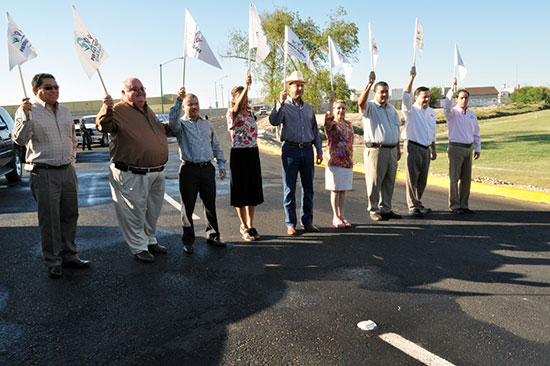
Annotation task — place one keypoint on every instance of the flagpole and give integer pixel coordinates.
(249, 55)
(415, 33)
(22, 82)
(371, 55)
(102, 83)
(184, 62)
(330, 67)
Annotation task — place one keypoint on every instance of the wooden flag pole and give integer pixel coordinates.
(29, 115)
(102, 83)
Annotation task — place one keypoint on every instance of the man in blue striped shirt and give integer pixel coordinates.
(198, 146)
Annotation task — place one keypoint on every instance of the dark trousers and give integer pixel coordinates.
(86, 141)
(56, 193)
(195, 181)
(298, 160)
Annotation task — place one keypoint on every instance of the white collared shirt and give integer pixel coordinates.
(462, 125)
(419, 122)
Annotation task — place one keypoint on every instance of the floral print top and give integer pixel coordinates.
(243, 129)
(340, 142)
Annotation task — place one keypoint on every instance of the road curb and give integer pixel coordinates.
(483, 188)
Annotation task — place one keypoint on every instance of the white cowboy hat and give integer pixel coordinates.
(296, 76)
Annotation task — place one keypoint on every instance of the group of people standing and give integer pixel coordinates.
(139, 152)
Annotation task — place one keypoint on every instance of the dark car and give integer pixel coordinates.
(11, 154)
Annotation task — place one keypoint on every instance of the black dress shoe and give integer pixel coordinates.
(426, 210)
(157, 249)
(55, 272)
(217, 242)
(77, 263)
(391, 215)
(145, 256)
(188, 249)
(467, 211)
(457, 211)
(417, 213)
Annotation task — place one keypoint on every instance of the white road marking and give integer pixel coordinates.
(176, 204)
(414, 350)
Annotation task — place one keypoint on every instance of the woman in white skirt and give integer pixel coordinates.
(339, 172)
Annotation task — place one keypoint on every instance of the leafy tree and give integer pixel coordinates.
(271, 72)
(435, 95)
(531, 95)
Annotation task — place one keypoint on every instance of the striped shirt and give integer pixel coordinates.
(49, 137)
(197, 140)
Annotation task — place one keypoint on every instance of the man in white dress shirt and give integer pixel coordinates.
(419, 136)
(463, 134)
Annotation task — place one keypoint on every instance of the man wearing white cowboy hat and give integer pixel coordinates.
(299, 132)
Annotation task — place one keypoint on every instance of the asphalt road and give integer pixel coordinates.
(472, 290)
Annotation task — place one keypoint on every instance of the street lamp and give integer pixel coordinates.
(161, 93)
(216, 90)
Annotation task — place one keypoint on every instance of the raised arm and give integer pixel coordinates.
(22, 131)
(408, 88)
(329, 117)
(365, 95)
(448, 103)
(104, 119)
(176, 112)
(239, 104)
(276, 117)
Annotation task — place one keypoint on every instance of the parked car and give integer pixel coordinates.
(11, 154)
(101, 138)
(163, 117)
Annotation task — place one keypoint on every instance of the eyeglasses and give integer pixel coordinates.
(136, 88)
(49, 87)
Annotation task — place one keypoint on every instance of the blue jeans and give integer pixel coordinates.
(298, 160)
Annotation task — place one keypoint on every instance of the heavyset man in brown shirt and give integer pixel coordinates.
(139, 150)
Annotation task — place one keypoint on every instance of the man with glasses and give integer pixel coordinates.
(47, 130)
(139, 150)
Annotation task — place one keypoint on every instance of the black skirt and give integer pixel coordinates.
(246, 177)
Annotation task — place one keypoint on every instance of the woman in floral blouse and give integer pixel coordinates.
(244, 163)
(339, 172)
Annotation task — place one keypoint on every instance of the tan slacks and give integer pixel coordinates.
(380, 170)
(417, 165)
(460, 175)
(138, 200)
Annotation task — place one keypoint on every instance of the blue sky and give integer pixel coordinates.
(494, 37)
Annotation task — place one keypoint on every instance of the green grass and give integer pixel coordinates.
(514, 149)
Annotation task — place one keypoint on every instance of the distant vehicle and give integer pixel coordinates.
(262, 112)
(163, 117)
(97, 137)
(11, 154)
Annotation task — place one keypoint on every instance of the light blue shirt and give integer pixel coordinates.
(197, 140)
(381, 125)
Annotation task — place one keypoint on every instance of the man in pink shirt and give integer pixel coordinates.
(463, 134)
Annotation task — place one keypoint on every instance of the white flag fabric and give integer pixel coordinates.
(336, 58)
(90, 52)
(195, 44)
(294, 47)
(373, 49)
(256, 36)
(20, 49)
(460, 64)
(418, 37)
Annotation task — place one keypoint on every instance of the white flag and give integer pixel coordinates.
(195, 44)
(19, 47)
(418, 37)
(256, 36)
(373, 49)
(336, 57)
(90, 52)
(293, 46)
(458, 62)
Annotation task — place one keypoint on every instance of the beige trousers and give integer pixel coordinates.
(380, 170)
(138, 200)
(460, 175)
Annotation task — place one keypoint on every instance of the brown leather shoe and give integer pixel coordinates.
(145, 256)
(375, 216)
(291, 230)
(310, 228)
(157, 249)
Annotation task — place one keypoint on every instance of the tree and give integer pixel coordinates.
(435, 95)
(530, 95)
(270, 72)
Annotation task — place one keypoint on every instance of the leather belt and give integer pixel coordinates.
(301, 145)
(138, 170)
(199, 165)
(461, 145)
(417, 144)
(47, 166)
(370, 144)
